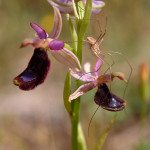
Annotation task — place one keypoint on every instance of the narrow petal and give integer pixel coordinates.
(57, 25)
(63, 7)
(36, 43)
(67, 58)
(97, 66)
(107, 100)
(119, 75)
(27, 42)
(56, 45)
(36, 71)
(81, 90)
(82, 76)
(41, 32)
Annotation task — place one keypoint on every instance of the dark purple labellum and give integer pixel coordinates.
(107, 100)
(36, 71)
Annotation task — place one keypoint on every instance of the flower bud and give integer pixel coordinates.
(144, 72)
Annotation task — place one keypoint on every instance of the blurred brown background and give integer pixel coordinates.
(37, 120)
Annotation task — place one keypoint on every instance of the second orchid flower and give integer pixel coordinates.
(103, 97)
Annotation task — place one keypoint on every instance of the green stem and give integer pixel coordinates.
(75, 121)
(78, 141)
(74, 134)
(83, 27)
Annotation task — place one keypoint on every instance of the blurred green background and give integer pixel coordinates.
(36, 120)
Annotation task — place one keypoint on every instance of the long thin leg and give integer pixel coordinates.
(103, 53)
(131, 69)
(101, 36)
(109, 68)
(91, 120)
(94, 115)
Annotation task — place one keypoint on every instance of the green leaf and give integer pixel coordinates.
(66, 93)
(86, 19)
(81, 139)
(75, 9)
(80, 8)
(73, 32)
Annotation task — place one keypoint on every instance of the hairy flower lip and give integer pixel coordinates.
(107, 100)
(36, 71)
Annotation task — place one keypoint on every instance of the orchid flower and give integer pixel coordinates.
(103, 97)
(39, 65)
(65, 6)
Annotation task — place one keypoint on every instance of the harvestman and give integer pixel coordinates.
(95, 48)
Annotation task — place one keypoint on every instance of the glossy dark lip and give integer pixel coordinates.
(36, 71)
(105, 99)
